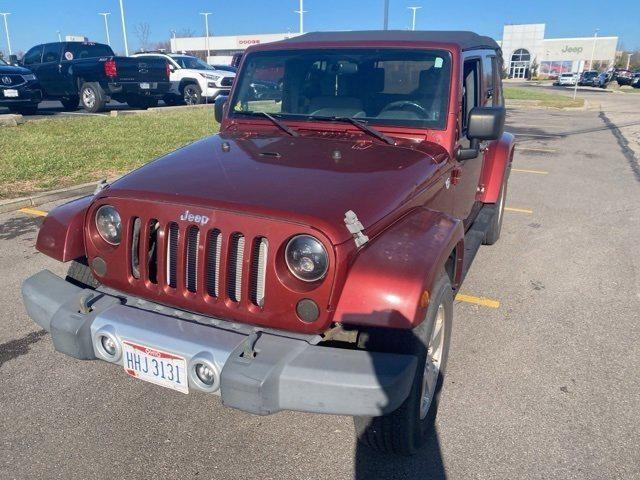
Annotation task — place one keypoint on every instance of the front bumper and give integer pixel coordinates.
(212, 91)
(26, 96)
(260, 372)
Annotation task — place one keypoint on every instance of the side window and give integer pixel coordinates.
(488, 79)
(471, 95)
(52, 52)
(33, 56)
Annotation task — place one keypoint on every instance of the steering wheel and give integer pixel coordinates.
(406, 105)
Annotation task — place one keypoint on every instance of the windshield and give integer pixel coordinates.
(379, 86)
(193, 63)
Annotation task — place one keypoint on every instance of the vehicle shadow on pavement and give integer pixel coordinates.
(17, 226)
(427, 464)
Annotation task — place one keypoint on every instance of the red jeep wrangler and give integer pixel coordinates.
(307, 257)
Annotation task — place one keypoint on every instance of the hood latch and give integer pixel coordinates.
(355, 228)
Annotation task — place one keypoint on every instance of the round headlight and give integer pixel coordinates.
(306, 258)
(109, 225)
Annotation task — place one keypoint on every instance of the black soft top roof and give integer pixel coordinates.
(466, 40)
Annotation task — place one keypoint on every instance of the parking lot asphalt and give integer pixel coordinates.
(544, 386)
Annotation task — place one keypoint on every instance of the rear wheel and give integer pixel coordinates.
(172, 100)
(70, 103)
(405, 430)
(92, 97)
(191, 94)
(493, 233)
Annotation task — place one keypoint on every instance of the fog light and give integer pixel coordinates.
(109, 345)
(205, 374)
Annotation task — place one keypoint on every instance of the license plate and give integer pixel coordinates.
(145, 86)
(155, 366)
(11, 93)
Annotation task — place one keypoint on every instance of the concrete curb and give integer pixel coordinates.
(41, 198)
(11, 120)
(177, 108)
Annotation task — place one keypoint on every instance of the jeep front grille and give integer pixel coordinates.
(202, 255)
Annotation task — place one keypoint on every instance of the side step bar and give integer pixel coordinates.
(475, 236)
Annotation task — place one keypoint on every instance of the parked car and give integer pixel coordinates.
(19, 89)
(624, 77)
(636, 80)
(91, 74)
(307, 257)
(588, 78)
(567, 79)
(602, 80)
(192, 80)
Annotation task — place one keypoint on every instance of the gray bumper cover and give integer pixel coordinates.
(283, 373)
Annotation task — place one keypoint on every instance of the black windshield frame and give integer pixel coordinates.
(367, 56)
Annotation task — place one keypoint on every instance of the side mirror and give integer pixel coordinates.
(485, 123)
(220, 106)
(13, 60)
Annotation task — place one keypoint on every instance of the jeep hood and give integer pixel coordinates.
(308, 180)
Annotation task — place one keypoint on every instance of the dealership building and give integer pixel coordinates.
(221, 49)
(524, 46)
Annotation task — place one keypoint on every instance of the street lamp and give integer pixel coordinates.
(59, 36)
(301, 12)
(6, 30)
(385, 25)
(413, 12)
(593, 50)
(124, 30)
(206, 26)
(106, 25)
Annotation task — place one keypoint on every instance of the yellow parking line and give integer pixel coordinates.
(485, 302)
(33, 211)
(518, 210)
(537, 172)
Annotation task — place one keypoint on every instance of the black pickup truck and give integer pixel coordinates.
(90, 73)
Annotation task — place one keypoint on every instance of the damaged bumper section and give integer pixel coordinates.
(254, 370)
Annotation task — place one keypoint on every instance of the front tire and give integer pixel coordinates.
(405, 430)
(25, 110)
(92, 97)
(192, 94)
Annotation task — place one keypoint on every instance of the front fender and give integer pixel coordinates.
(61, 235)
(494, 168)
(390, 282)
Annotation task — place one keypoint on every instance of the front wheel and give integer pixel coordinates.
(92, 97)
(25, 110)
(192, 95)
(405, 430)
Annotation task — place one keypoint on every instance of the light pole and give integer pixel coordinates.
(593, 50)
(386, 15)
(206, 27)
(6, 30)
(106, 25)
(59, 36)
(413, 13)
(301, 12)
(124, 30)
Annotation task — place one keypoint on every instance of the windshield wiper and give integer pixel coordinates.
(274, 120)
(361, 124)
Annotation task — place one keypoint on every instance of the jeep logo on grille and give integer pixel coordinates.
(190, 217)
(6, 80)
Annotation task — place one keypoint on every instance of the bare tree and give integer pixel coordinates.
(142, 31)
(185, 33)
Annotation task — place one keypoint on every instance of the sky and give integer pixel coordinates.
(37, 21)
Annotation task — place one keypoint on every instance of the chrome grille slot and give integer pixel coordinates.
(135, 248)
(152, 253)
(258, 271)
(214, 248)
(234, 273)
(172, 254)
(191, 270)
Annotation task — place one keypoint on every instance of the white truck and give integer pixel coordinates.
(192, 80)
